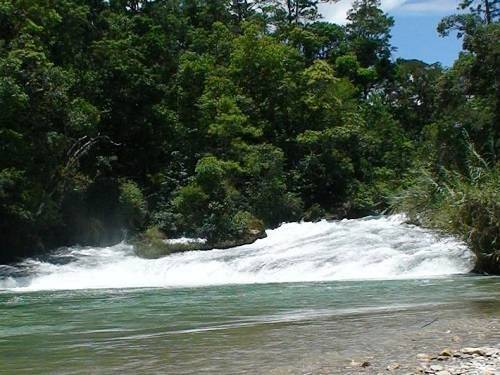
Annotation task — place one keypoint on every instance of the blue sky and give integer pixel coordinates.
(414, 33)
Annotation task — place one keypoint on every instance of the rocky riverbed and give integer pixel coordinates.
(467, 361)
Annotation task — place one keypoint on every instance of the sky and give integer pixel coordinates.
(414, 32)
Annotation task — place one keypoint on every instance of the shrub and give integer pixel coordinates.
(465, 205)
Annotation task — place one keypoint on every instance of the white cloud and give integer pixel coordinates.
(422, 6)
(337, 12)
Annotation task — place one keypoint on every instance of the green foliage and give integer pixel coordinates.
(218, 119)
(265, 186)
(465, 205)
(368, 30)
(133, 206)
(415, 95)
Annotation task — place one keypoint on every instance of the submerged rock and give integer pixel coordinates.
(153, 244)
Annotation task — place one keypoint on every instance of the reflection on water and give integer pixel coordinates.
(263, 328)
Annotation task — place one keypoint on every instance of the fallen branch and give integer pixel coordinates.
(428, 324)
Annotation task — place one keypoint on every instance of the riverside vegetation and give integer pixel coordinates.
(218, 119)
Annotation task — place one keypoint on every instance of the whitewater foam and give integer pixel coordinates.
(369, 248)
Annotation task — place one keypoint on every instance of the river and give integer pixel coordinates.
(309, 298)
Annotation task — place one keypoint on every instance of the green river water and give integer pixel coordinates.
(261, 328)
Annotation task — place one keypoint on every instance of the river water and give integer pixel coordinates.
(309, 298)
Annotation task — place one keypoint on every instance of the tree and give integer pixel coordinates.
(292, 11)
(414, 94)
(475, 78)
(488, 9)
(368, 30)
(480, 12)
(243, 9)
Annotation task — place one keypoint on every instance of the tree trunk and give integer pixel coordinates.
(487, 11)
(237, 8)
(290, 11)
(297, 12)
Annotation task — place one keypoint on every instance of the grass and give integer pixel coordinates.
(466, 205)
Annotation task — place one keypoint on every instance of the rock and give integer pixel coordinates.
(363, 364)
(355, 364)
(443, 358)
(472, 351)
(444, 372)
(490, 352)
(447, 352)
(437, 368)
(393, 366)
(424, 357)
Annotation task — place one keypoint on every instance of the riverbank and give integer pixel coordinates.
(482, 360)
(465, 361)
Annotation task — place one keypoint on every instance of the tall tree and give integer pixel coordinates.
(488, 9)
(475, 77)
(243, 9)
(369, 32)
(480, 12)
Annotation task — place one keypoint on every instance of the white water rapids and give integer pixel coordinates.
(370, 248)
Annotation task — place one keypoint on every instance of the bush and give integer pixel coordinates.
(465, 205)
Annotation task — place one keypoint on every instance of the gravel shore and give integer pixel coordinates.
(467, 361)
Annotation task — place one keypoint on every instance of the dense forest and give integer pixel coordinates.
(220, 118)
